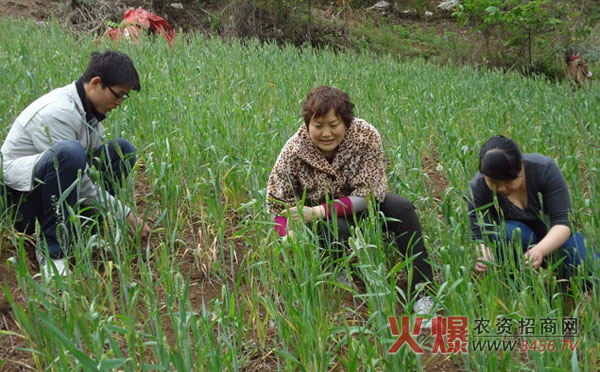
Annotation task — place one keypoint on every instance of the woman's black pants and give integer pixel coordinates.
(403, 225)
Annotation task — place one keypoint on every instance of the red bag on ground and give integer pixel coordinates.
(135, 20)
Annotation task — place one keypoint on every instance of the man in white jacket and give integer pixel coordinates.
(52, 144)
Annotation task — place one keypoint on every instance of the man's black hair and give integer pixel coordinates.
(500, 159)
(113, 67)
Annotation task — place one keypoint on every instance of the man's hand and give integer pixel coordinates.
(307, 214)
(135, 222)
(483, 254)
(534, 257)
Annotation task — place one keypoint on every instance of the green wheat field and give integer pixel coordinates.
(215, 289)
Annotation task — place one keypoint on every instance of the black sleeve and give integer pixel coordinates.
(555, 194)
(480, 202)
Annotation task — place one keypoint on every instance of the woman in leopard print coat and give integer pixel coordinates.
(336, 161)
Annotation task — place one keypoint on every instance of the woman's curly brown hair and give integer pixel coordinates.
(322, 99)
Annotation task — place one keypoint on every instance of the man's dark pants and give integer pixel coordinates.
(54, 173)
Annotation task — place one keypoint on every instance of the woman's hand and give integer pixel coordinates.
(483, 254)
(307, 214)
(556, 236)
(534, 257)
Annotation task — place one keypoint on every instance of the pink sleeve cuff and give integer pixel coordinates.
(281, 225)
(343, 207)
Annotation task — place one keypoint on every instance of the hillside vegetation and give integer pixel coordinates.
(532, 37)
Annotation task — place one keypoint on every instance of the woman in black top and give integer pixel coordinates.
(532, 196)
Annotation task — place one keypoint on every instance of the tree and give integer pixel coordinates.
(519, 24)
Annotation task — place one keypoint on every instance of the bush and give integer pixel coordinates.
(530, 33)
(276, 19)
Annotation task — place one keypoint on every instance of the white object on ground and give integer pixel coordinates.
(423, 306)
(448, 4)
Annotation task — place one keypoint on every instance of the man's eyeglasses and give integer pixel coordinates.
(121, 98)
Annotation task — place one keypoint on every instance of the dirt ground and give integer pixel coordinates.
(203, 289)
(36, 9)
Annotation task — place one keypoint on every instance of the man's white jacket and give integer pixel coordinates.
(54, 117)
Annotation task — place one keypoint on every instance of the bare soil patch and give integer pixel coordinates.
(35, 9)
(16, 360)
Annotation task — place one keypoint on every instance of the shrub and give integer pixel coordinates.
(525, 29)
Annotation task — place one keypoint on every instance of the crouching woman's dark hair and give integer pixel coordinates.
(114, 68)
(322, 99)
(500, 159)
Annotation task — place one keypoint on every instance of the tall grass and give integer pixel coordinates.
(208, 124)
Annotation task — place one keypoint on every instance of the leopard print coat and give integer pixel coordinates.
(357, 169)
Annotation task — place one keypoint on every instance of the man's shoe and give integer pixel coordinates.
(60, 267)
(423, 306)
